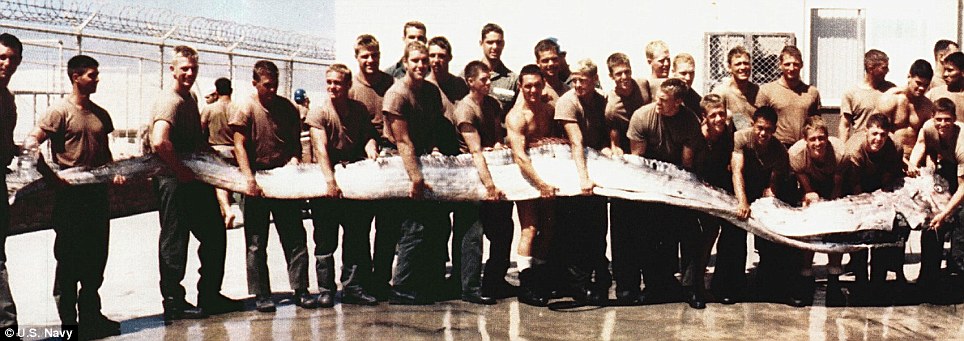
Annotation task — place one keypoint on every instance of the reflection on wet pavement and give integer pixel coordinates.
(131, 296)
(510, 320)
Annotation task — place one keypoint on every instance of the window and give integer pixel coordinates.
(764, 50)
(836, 51)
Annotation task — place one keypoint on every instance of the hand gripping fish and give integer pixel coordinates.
(843, 225)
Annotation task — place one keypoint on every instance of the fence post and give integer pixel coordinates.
(162, 66)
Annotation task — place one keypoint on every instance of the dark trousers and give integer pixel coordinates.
(778, 270)
(355, 218)
(697, 243)
(424, 231)
(626, 231)
(291, 231)
(579, 244)
(185, 209)
(729, 275)
(82, 227)
(498, 228)
(666, 226)
(932, 252)
(388, 228)
(8, 310)
(467, 246)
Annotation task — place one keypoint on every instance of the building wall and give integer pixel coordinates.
(595, 29)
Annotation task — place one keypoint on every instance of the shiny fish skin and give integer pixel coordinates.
(454, 178)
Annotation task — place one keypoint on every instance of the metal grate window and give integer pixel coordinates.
(764, 49)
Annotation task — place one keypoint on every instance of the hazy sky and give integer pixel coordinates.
(313, 17)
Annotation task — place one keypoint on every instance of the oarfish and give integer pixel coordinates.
(843, 225)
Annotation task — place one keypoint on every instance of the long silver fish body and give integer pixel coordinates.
(26, 181)
(843, 225)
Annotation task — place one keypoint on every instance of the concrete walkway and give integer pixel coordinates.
(130, 295)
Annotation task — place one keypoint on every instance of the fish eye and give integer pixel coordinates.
(939, 189)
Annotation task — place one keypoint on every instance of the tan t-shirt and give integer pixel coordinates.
(424, 111)
(739, 106)
(819, 172)
(946, 155)
(759, 163)
(181, 112)
(870, 171)
(273, 132)
(215, 116)
(485, 119)
(793, 106)
(371, 95)
(619, 109)
(454, 88)
(665, 136)
(691, 99)
(858, 103)
(8, 120)
(78, 137)
(957, 97)
(347, 132)
(589, 114)
(712, 158)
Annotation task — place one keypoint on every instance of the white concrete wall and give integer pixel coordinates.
(595, 29)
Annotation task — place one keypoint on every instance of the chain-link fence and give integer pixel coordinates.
(134, 46)
(764, 51)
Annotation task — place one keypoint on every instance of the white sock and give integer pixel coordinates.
(523, 262)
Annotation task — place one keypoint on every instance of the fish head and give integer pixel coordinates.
(929, 193)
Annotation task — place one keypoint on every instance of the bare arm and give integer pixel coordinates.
(809, 195)
(371, 149)
(687, 158)
(837, 185)
(890, 105)
(917, 155)
(617, 151)
(843, 129)
(517, 142)
(739, 186)
(161, 143)
(319, 141)
(579, 156)
(31, 146)
(638, 147)
(406, 149)
(244, 163)
(474, 142)
(956, 199)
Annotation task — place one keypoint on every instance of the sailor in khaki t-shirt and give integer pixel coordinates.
(369, 86)
(861, 101)
(78, 131)
(954, 89)
(668, 131)
(479, 123)
(622, 101)
(341, 132)
(267, 134)
(738, 91)
(941, 141)
(792, 99)
(582, 221)
(871, 163)
(186, 206)
(11, 54)
(817, 162)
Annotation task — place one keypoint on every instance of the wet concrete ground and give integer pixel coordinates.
(130, 295)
